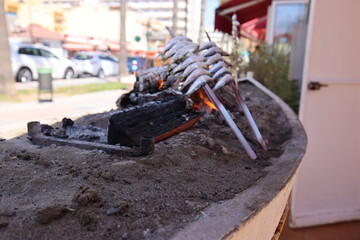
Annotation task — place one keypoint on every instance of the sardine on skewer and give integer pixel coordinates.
(221, 72)
(183, 51)
(171, 52)
(193, 76)
(206, 45)
(187, 62)
(201, 81)
(214, 59)
(226, 79)
(175, 40)
(213, 50)
(189, 69)
(217, 66)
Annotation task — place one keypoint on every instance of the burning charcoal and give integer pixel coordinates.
(185, 75)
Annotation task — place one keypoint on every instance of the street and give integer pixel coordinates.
(14, 116)
(77, 81)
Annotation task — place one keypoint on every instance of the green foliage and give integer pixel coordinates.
(270, 64)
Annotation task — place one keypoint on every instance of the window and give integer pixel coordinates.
(286, 16)
(29, 51)
(46, 54)
(82, 57)
(108, 58)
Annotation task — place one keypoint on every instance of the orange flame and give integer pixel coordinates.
(201, 101)
(161, 84)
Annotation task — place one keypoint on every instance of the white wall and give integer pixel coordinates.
(99, 22)
(328, 185)
(194, 20)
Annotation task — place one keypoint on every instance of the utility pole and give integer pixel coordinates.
(7, 82)
(201, 32)
(235, 32)
(30, 22)
(123, 51)
(174, 18)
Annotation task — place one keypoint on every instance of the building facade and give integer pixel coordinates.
(183, 16)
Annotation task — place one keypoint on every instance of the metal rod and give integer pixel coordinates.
(147, 145)
(211, 95)
(241, 104)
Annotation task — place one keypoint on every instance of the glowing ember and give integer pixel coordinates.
(201, 101)
(161, 84)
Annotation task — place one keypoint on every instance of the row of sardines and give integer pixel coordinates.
(187, 67)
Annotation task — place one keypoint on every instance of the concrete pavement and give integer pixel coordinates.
(14, 116)
(77, 81)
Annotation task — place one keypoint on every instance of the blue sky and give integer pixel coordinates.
(209, 14)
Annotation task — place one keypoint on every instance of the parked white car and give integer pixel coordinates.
(26, 59)
(96, 63)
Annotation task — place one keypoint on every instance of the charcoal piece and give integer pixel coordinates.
(87, 133)
(160, 119)
(134, 98)
(47, 129)
(59, 133)
(67, 122)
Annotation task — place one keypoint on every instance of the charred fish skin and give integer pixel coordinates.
(191, 59)
(179, 39)
(194, 75)
(168, 46)
(172, 66)
(174, 41)
(173, 50)
(201, 81)
(214, 50)
(226, 79)
(217, 66)
(221, 72)
(179, 45)
(183, 52)
(189, 69)
(206, 45)
(214, 59)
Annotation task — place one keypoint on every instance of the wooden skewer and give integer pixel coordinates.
(241, 104)
(211, 95)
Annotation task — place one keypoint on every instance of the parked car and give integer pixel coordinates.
(96, 63)
(26, 59)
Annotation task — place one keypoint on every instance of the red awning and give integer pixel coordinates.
(254, 29)
(246, 10)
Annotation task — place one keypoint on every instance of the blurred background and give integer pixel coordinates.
(305, 51)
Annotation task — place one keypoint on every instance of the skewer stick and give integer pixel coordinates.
(172, 34)
(211, 95)
(241, 104)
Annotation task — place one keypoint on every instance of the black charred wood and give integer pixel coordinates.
(149, 80)
(151, 119)
(134, 98)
